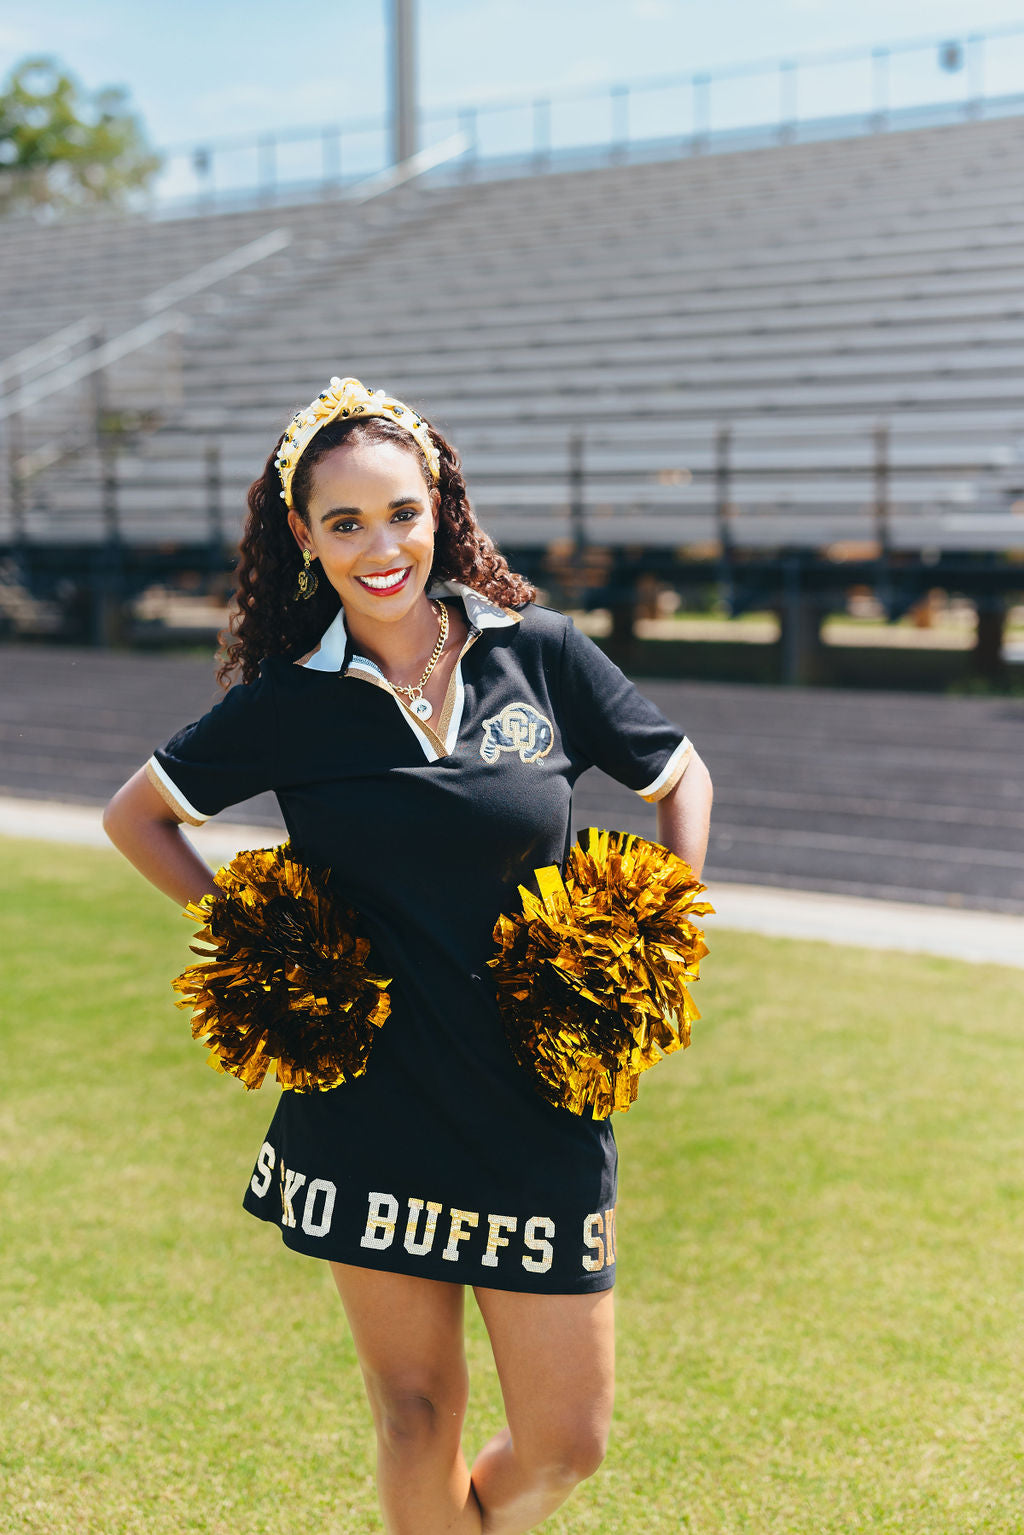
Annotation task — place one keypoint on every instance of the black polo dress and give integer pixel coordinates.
(442, 1161)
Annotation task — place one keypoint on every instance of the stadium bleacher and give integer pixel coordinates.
(785, 348)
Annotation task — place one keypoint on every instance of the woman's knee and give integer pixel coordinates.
(565, 1454)
(414, 1410)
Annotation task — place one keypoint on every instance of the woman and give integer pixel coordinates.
(422, 722)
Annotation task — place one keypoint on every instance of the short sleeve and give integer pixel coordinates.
(227, 756)
(612, 725)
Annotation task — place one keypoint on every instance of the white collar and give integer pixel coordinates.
(482, 613)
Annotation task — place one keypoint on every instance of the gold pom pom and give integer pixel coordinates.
(283, 978)
(591, 975)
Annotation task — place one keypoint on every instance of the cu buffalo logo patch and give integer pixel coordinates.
(518, 728)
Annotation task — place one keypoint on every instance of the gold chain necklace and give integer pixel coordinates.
(419, 705)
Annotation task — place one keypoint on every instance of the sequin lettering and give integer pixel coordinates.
(538, 1228)
(310, 1225)
(462, 1223)
(291, 1183)
(609, 1234)
(599, 1239)
(593, 1228)
(420, 1245)
(490, 1240)
(262, 1177)
(380, 1222)
(496, 1224)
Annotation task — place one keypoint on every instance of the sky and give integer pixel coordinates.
(209, 69)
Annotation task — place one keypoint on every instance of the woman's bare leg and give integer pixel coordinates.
(408, 1334)
(555, 1356)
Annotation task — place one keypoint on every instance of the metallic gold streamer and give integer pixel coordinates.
(283, 977)
(591, 975)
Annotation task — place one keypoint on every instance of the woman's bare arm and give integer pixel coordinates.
(684, 815)
(141, 826)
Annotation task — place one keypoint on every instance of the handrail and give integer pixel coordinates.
(158, 304)
(13, 369)
(23, 399)
(41, 351)
(407, 170)
(213, 271)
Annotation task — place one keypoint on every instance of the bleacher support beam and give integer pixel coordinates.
(403, 80)
(800, 618)
(987, 659)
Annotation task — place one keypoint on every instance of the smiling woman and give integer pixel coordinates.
(378, 554)
(320, 518)
(422, 721)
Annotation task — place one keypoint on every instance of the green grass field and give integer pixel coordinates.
(820, 1269)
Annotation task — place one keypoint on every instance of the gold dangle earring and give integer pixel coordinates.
(308, 579)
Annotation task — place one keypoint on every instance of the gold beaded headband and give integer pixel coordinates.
(347, 397)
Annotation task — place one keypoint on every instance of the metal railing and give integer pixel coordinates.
(839, 92)
(43, 356)
(113, 408)
(81, 355)
(77, 351)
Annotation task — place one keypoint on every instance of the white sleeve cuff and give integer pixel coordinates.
(172, 795)
(670, 774)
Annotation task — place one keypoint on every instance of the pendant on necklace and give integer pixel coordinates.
(421, 708)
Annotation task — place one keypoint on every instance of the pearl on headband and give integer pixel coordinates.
(344, 398)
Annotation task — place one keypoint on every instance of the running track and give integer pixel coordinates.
(907, 796)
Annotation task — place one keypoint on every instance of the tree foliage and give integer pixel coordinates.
(63, 146)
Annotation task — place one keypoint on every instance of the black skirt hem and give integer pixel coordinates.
(398, 1262)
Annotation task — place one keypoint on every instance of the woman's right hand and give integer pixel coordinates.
(142, 826)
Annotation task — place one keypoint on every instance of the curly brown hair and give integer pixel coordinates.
(268, 621)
